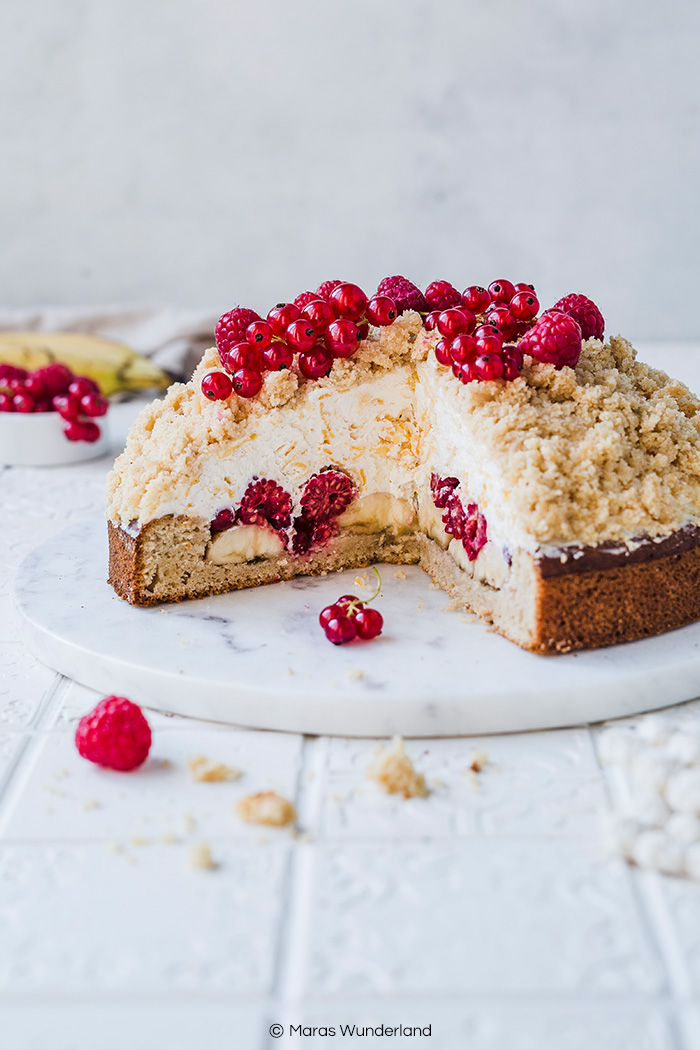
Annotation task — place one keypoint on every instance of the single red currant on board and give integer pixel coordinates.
(277, 356)
(348, 301)
(216, 386)
(369, 623)
(247, 382)
(115, 735)
(381, 311)
(349, 618)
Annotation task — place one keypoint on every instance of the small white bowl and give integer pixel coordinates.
(36, 439)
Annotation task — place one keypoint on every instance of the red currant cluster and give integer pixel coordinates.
(480, 326)
(467, 524)
(349, 618)
(314, 330)
(54, 388)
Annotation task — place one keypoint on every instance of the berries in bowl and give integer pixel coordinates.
(50, 416)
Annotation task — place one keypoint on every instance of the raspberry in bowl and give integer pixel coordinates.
(50, 417)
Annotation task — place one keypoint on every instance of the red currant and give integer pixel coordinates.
(259, 333)
(223, 520)
(348, 301)
(81, 386)
(300, 335)
(465, 372)
(501, 291)
(216, 386)
(500, 316)
(489, 344)
(342, 338)
(6, 404)
(94, 405)
(522, 287)
(277, 356)
(476, 298)
(368, 623)
(381, 311)
(23, 402)
(67, 406)
(455, 322)
(524, 306)
(337, 610)
(315, 363)
(247, 382)
(443, 351)
(512, 361)
(463, 348)
(488, 366)
(319, 313)
(430, 321)
(487, 329)
(78, 431)
(244, 355)
(281, 316)
(340, 629)
(35, 386)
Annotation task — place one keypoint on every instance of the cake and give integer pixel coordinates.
(546, 479)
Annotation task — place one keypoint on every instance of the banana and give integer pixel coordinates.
(113, 366)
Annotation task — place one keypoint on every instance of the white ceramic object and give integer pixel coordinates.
(36, 439)
(259, 658)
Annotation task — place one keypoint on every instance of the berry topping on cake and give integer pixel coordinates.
(555, 339)
(442, 489)
(320, 313)
(381, 311)
(244, 355)
(324, 290)
(467, 525)
(488, 366)
(231, 328)
(223, 520)
(311, 534)
(501, 291)
(277, 356)
(281, 316)
(524, 306)
(304, 298)
(317, 362)
(476, 298)
(217, 386)
(342, 338)
(441, 295)
(499, 315)
(247, 382)
(585, 312)
(463, 348)
(114, 734)
(406, 295)
(326, 495)
(259, 333)
(300, 334)
(265, 502)
(455, 322)
(348, 301)
(349, 618)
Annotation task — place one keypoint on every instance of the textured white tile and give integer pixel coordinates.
(11, 744)
(84, 919)
(496, 1025)
(478, 916)
(65, 797)
(23, 684)
(170, 1025)
(77, 700)
(682, 900)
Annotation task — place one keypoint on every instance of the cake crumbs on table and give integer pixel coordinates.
(394, 771)
(209, 771)
(354, 674)
(400, 575)
(199, 856)
(91, 803)
(266, 807)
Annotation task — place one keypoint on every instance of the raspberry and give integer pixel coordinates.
(231, 328)
(441, 295)
(474, 535)
(555, 339)
(326, 495)
(585, 312)
(264, 501)
(441, 489)
(304, 298)
(309, 534)
(115, 734)
(55, 377)
(324, 290)
(404, 293)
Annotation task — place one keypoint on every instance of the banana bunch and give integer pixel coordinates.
(113, 366)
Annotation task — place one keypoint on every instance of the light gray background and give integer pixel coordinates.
(206, 153)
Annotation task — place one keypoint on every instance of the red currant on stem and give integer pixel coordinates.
(524, 306)
(281, 316)
(455, 322)
(381, 311)
(94, 405)
(319, 313)
(315, 363)
(501, 291)
(6, 404)
(488, 366)
(463, 349)
(430, 322)
(277, 356)
(342, 338)
(244, 355)
(348, 618)
(259, 333)
(247, 382)
(348, 301)
(300, 335)
(443, 351)
(23, 402)
(476, 298)
(81, 386)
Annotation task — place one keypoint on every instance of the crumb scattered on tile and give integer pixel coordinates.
(266, 807)
(116, 847)
(467, 618)
(91, 803)
(199, 856)
(140, 842)
(361, 580)
(394, 771)
(60, 774)
(208, 770)
(453, 605)
(437, 782)
(471, 778)
(420, 605)
(434, 587)
(479, 760)
(400, 575)
(188, 823)
(354, 674)
(169, 839)
(310, 775)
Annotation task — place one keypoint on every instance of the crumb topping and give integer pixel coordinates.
(207, 770)
(394, 771)
(266, 807)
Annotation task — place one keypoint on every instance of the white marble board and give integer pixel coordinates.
(259, 658)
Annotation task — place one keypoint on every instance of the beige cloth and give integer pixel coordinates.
(174, 337)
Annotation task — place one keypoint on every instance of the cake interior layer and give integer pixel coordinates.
(544, 612)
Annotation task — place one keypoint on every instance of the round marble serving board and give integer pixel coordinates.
(259, 658)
